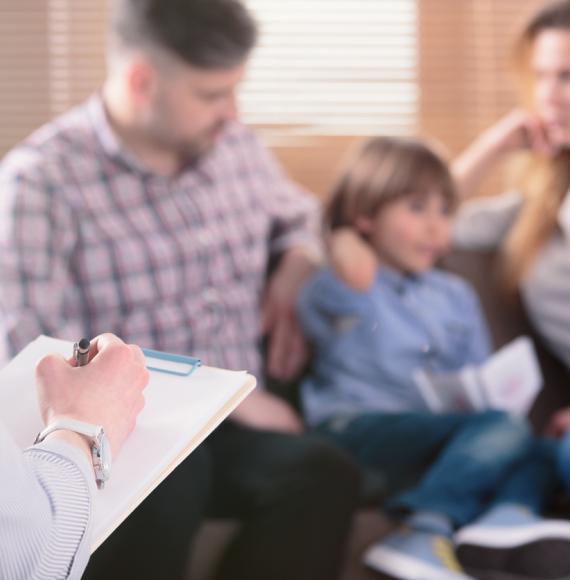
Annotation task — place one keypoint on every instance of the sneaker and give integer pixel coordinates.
(410, 554)
(512, 540)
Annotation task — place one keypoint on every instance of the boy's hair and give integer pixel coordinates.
(208, 34)
(383, 170)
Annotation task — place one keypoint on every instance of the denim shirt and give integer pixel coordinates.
(368, 344)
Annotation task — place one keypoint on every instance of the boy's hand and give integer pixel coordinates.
(353, 259)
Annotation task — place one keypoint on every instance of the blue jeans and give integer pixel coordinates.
(455, 464)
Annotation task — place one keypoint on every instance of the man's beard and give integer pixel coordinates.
(192, 149)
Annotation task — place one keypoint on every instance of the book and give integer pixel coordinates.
(183, 406)
(509, 380)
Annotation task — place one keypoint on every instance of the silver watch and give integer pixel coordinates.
(100, 447)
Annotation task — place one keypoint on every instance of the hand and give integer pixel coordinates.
(519, 130)
(264, 410)
(353, 259)
(107, 392)
(287, 349)
(559, 423)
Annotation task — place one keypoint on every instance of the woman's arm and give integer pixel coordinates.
(518, 130)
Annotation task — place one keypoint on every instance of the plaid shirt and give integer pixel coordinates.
(91, 241)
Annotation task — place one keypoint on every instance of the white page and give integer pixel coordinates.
(451, 391)
(179, 413)
(512, 377)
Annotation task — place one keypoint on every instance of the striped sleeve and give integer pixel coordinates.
(45, 511)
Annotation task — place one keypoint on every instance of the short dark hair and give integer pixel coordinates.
(208, 34)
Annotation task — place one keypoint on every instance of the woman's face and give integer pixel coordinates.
(551, 70)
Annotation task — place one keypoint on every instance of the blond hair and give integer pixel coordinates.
(543, 181)
(385, 169)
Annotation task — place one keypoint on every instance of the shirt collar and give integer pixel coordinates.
(115, 148)
(400, 282)
(109, 140)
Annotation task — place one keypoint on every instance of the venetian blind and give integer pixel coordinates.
(334, 67)
(51, 58)
(465, 64)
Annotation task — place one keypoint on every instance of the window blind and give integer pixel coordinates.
(465, 71)
(326, 73)
(24, 74)
(334, 67)
(52, 56)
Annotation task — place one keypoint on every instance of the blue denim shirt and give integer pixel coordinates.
(367, 345)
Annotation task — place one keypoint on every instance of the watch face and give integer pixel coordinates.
(102, 458)
(106, 459)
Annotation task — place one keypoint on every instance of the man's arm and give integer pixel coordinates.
(295, 243)
(287, 351)
(37, 237)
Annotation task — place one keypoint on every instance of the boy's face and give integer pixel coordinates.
(411, 233)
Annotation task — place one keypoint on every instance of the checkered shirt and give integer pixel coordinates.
(91, 241)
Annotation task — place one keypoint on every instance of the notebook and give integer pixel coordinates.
(185, 402)
(509, 380)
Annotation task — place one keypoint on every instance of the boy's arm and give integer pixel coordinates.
(352, 259)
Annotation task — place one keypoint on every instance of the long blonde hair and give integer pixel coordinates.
(543, 181)
(382, 170)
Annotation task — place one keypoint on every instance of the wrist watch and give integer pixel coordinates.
(100, 447)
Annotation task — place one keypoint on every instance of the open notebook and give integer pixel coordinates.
(180, 412)
(509, 380)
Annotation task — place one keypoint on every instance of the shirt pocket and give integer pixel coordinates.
(457, 339)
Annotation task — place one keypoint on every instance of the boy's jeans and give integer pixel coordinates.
(456, 464)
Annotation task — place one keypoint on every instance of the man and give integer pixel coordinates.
(46, 492)
(152, 212)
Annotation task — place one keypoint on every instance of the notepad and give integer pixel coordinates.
(182, 409)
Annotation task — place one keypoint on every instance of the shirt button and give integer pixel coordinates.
(426, 348)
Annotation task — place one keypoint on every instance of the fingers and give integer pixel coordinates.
(138, 354)
(51, 365)
(281, 346)
(267, 315)
(538, 136)
(103, 342)
(298, 352)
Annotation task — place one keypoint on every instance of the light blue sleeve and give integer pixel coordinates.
(325, 299)
(479, 345)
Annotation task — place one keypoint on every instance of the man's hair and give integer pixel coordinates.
(209, 34)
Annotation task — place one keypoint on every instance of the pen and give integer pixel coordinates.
(81, 352)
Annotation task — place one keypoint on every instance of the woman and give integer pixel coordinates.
(531, 225)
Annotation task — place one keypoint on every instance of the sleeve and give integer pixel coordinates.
(37, 236)
(323, 300)
(483, 224)
(295, 214)
(45, 511)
